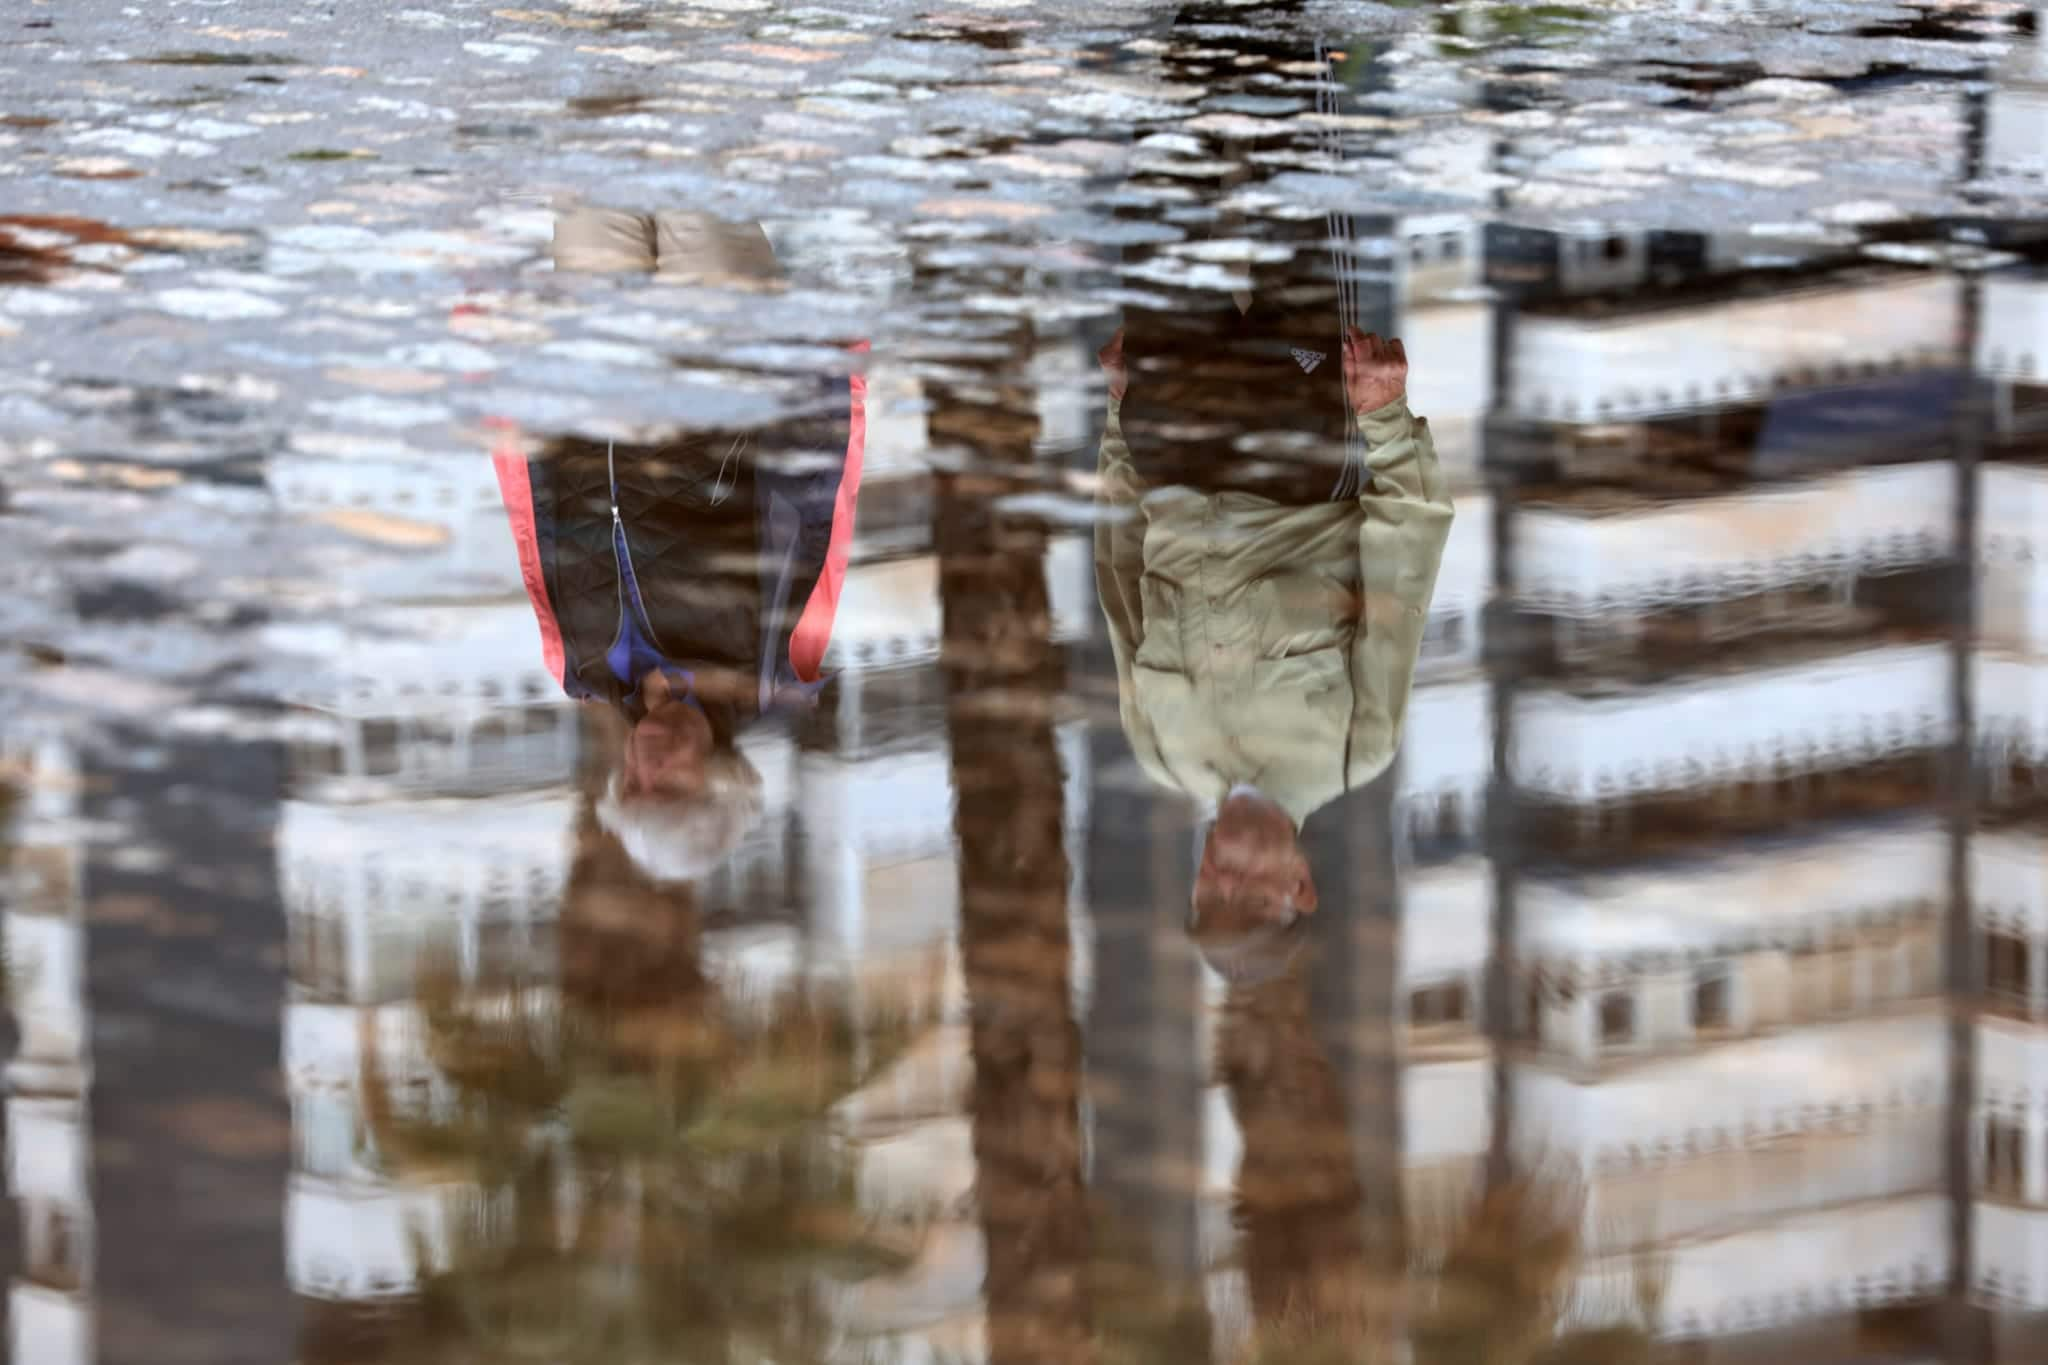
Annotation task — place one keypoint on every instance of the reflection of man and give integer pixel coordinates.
(1265, 645)
(1297, 1203)
(689, 584)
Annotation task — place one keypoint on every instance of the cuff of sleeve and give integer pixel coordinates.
(1388, 423)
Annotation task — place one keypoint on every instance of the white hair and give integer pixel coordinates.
(680, 838)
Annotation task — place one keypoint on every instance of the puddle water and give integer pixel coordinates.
(811, 683)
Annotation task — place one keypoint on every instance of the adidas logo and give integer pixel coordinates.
(1308, 360)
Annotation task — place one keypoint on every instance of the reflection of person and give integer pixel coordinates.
(1297, 1200)
(1265, 644)
(689, 584)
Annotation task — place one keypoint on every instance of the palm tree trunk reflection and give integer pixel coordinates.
(1002, 672)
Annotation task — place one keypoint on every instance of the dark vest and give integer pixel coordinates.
(726, 539)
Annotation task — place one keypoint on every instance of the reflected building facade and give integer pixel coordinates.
(1731, 697)
(50, 1309)
(1748, 897)
(1710, 876)
(1727, 670)
(1748, 615)
(427, 829)
(2008, 1131)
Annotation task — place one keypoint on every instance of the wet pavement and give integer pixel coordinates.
(713, 680)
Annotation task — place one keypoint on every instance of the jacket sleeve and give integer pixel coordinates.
(516, 490)
(1400, 546)
(1119, 567)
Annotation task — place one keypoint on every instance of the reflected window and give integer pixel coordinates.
(543, 719)
(498, 731)
(1923, 958)
(315, 759)
(56, 1246)
(1710, 1001)
(319, 955)
(491, 732)
(1447, 1002)
(325, 1127)
(2004, 1173)
(431, 743)
(62, 1249)
(380, 748)
(1809, 981)
(1443, 636)
(1449, 820)
(541, 945)
(1617, 1019)
(2007, 967)
(503, 952)
(401, 953)
(1842, 977)
(1533, 1001)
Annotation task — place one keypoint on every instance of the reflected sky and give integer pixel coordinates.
(811, 683)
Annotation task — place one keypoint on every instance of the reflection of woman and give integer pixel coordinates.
(635, 1155)
(689, 584)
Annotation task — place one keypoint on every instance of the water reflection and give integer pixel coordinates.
(1265, 648)
(688, 584)
(925, 758)
(49, 1080)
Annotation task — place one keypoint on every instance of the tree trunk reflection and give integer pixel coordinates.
(1002, 671)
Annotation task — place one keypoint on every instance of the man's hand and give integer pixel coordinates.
(1375, 371)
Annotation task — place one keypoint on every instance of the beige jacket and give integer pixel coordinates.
(1270, 645)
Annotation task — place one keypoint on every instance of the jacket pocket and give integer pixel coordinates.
(1301, 717)
(1303, 613)
(1160, 645)
(1310, 675)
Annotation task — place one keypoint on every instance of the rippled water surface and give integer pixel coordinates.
(727, 681)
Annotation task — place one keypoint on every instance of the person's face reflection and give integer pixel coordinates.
(665, 752)
(1253, 870)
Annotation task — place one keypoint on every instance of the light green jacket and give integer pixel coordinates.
(1270, 645)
